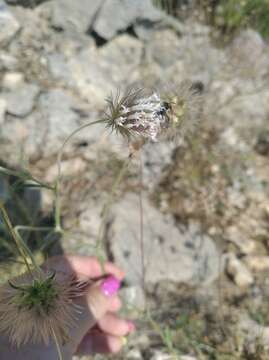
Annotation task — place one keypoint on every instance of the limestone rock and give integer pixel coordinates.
(75, 15)
(118, 15)
(9, 25)
(170, 254)
(21, 100)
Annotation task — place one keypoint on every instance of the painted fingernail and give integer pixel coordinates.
(131, 326)
(110, 286)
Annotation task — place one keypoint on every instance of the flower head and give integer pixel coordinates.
(137, 114)
(185, 102)
(154, 117)
(32, 308)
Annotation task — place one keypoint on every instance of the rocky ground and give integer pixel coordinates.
(205, 202)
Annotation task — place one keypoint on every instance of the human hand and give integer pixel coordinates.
(98, 329)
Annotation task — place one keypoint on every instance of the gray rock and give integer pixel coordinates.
(248, 53)
(20, 101)
(238, 271)
(118, 15)
(75, 15)
(170, 254)
(96, 73)
(8, 24)
(159, 355)
(165, 47)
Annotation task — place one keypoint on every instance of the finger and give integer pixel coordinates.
(115, 304)
(84, 265)
(94, 305)
(113, 325)
(100, 343)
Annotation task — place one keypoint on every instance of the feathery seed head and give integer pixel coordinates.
(185, 102)
(31, 309)
(136, 114)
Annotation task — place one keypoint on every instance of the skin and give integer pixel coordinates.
(99, 328)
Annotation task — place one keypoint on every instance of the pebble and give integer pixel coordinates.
(238, 271)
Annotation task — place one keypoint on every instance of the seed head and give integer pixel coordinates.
(31, 308)
(136, 114)
(184, 102)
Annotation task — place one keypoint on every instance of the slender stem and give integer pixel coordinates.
(59, 352)
(30, 228)
(21, 246)
(105, 210)
(57, 187)
(25, 176)
(141, 212)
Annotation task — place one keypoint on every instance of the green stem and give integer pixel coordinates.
(57, 187)
(25, 177)
(21, 246)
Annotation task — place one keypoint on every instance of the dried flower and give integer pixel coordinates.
(184, 109)
(137, 114)
(34, 308)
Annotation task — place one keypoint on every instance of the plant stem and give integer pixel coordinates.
(21, 246)
(59, 352)
(57, 187)
(142, 244)
(25, 176)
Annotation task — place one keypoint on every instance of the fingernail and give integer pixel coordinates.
(110, 286)
(124, 340)
(131, 326)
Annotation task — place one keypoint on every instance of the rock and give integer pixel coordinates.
(21, 100)
(134, 298)
(7, 61)
(257, 263)
(3, 108)
(134, 354)
(253, 332)
(238, 271)
(98, 73)
(159, 355)
(74, 15)
(155, 158)
(245, 245)
(69, 168)
(9, 25)
(182, 256)
(117, 15)
(12, 80)
(164, 47)
(248, 53)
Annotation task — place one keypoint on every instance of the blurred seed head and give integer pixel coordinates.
(151, 116)
(32, 308)
(185, 109)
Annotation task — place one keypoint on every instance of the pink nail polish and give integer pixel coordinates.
(110, 286)
(131, 326)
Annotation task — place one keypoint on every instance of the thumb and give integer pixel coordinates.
(94, 305)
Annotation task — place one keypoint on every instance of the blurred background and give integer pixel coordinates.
(205, 202)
